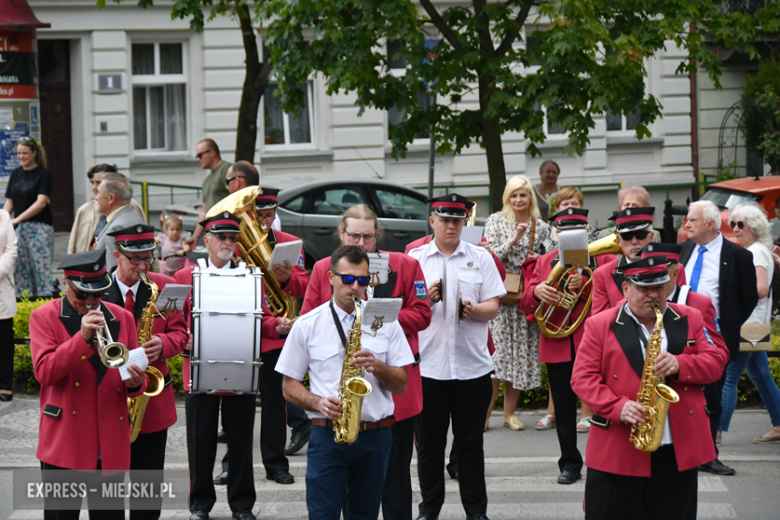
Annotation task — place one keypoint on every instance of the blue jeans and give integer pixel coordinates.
(358, 468)
(757, 365)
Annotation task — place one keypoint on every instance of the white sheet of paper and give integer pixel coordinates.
(378, 267)
(385, 308)
(137, 357)
(286, 251)
(174, 293)
(472, 234)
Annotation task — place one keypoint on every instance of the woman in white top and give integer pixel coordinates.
(751, 228)
(7, 305)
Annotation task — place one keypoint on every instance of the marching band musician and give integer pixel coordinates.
(84, 424)
(134, 255)
(559, 353)
(318, 343)
(608, 375)
(464, 288)
(238, 411)
(635, 230)
(359, 227)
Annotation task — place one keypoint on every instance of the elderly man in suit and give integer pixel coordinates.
(723, 271)
(113, 200)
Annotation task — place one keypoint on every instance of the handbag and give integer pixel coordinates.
(514, 284)
(755, 336)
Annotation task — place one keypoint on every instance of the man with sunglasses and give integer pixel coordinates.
(559, 353)
(83, 423)
(317, 344)
(134, 255)
(635, 231)
(464, 287)
(238, 411)
(214, 185)
(723, 271)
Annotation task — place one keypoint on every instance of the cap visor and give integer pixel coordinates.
(649, 282)
(442, 212)
(92, 287)
(633, 226)
(138, 248)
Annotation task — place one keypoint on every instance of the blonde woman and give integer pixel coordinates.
(516, 359)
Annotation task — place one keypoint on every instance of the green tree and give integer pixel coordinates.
(257, 71)
(760, 111)
(591, 57)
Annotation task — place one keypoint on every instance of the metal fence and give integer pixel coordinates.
(154, 196)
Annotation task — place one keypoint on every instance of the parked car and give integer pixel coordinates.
(310, 210)
(727, 195)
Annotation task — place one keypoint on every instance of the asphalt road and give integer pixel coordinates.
(520, 470)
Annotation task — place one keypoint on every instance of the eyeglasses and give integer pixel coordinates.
(81, 295)
(137, 260)
(25, 139)
(201, 154)
(234, 177)
(232, 237)
(740, 224)
(349, 279)
(355, 237)
(628, 235)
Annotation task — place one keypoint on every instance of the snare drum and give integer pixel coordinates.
(227, 312)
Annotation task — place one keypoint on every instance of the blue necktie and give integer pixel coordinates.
(697, 269)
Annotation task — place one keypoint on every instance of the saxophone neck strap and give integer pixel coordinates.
(337, 322)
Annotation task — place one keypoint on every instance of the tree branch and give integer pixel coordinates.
(483, 29)
(440, 24)
(518, 24)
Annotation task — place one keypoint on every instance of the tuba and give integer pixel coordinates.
(112, 353)
(353, 387)
(653, 395)
(568, 299)
(471, 220)
(137, 405)
(254, 247)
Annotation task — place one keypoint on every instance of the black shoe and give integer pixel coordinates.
(244, 514)
(222, 437)
(281, 477)
(569, 476)
(258, 404)
(6, 397)
(298, 441)
(453, 471)
(716, 467)
(221, 479)
(427, 516)
(200, 514)
(478, 516)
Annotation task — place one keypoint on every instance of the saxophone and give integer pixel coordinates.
(137, 405)
(653, 395)
(353, 387)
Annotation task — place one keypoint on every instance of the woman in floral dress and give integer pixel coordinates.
(516, 359)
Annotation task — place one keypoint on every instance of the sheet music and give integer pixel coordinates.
(381, 311)
(286, 251)
(472, 234)
(378, 267)
(173, 295)
(137, 357)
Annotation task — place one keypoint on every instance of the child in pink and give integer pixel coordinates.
(173, 248)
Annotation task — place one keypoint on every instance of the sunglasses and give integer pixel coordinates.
(349, 279)
(355, 237)
(25, 139)
(149, 260)
(222, 237)
(81, 295)
(231, 179)
(628, 235)
(201, 154)
(740, 224)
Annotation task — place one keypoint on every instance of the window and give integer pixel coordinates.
(617, 122)
(335, 201)
(282, 128)
(401, 205)
(159, 97)
(549, 127)
(394, 59)
(395, 116)
(296, 205)
(398, 68)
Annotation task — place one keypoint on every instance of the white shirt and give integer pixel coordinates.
(762, 258)
(314, 345)
(450, 348)
(709, 281)
(212, 266)
(666, 438)
(124, 288)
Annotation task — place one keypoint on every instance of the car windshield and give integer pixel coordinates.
(727, 200)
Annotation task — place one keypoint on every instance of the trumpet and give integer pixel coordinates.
(112, 353)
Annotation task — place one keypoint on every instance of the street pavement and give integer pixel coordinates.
(520, 468)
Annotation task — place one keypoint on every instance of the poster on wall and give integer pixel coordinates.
(18, 65)
(9, 136)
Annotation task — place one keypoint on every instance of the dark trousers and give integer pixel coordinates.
(667, 493)
(73, 511)
(6, 354)
(238, 420)
(397, 495)
(559, 375)
(465, 402)
(297, 418)
(358, 468)
(273, 423)
(712, 394)
(148, 453)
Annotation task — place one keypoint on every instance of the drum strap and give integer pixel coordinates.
(338, 324)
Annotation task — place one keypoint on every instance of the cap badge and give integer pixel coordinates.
(96, 267)
(650, 247)
(225, 215)
(138, 229)
(454, 198)
(571, 211)
(650, 261)
(628, 212)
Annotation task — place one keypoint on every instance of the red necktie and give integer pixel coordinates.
(129, 302)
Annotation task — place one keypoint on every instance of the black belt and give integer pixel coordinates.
(384, 423)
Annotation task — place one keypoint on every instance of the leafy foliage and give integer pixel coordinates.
(23, 367)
